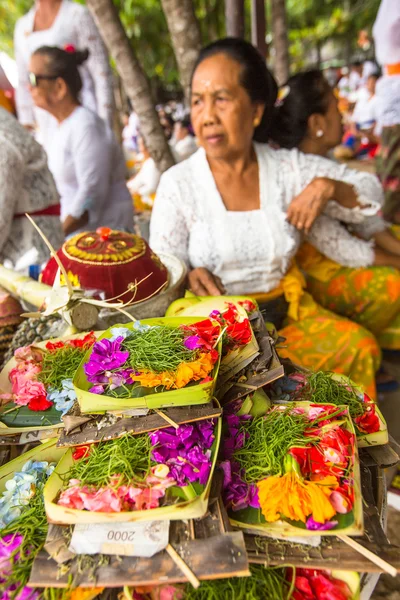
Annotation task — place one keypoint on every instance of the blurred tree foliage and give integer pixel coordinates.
(311, 24)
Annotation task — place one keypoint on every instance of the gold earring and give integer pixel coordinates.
(256, 122)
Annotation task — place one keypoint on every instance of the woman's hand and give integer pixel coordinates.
(204, 283)
(71, 224)
(310, 203)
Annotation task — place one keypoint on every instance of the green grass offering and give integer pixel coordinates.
(268, 440)
(264, 584)
(157, 349)
(128, 456)
(32, 525)
(60, 365)
(322, 388)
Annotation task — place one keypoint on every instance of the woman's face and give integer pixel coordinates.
(334, 123)
(222, 113)
(48, 92)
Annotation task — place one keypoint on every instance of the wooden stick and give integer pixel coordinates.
(178, 560)
(385, 566)
(166, 418)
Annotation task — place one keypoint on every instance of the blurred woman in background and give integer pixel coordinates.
(84, 156)
(67, 24)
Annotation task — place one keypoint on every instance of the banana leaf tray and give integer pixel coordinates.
(144, 397)
(186, 508)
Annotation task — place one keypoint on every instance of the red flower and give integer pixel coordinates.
(313, 584)
(39, 403)
(54, 345)
(86, 341)
(248, 306)
(230, 315)
(206, 330)
(81, 452)
(240, 333)
(369, 421)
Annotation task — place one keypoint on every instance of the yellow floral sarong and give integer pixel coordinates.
(369, 296)
(318, 339)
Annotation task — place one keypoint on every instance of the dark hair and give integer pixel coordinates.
(255, 78)
(185, 122)
(65, 64)
(308, 95)
(168, 118)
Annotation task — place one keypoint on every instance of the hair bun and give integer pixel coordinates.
(81, 56)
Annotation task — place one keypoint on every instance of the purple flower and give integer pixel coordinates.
(192, 342)
(97, 389)
(8, 545)
(237, 494)
(106, 356)
(206, 430)
(214, 314)
(165, 437)
(185, 450)
(26, 593)
(315, 526)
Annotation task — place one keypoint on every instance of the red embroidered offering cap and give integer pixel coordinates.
(115, 262)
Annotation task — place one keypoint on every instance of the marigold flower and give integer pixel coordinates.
(288, 496)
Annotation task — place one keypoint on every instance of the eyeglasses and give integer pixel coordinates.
(34, 79)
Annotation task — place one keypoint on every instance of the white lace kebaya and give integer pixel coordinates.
(252, 250)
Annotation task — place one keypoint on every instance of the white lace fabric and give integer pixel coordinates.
(73, 25)
(26, 187)
(251, 251)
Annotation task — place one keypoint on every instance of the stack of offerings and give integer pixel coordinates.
(127, 497)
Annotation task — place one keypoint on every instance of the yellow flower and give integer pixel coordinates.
(186, 372)
(294, 499)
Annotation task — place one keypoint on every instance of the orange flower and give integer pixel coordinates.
(186, 372)
(288, 496)
(85, 593)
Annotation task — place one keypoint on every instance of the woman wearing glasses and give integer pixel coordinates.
(61, 23)
(84, 157)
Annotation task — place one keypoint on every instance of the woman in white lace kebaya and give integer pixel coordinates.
(84, 156)
(61, 23)
(236, 211)
(26, 187)
(386, 32)
(355, 277)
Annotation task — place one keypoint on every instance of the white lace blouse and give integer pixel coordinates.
(386, 33)
(72, 25)
(251, 250)
(26, 187)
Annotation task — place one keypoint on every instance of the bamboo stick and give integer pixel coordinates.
(24, 287)
(385, 566)
(166, 418)
(178, 560)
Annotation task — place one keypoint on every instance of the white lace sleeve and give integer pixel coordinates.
(368, 189)
(169, 231)
(98, 64)
(334, 241)
(370, 226)
(23, 98)
(10, 188)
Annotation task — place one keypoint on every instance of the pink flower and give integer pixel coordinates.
(315, 412)
(22, 373)
(29, 391)
(28, 353)
(149, 498)
(340, 503)
(89, 498)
